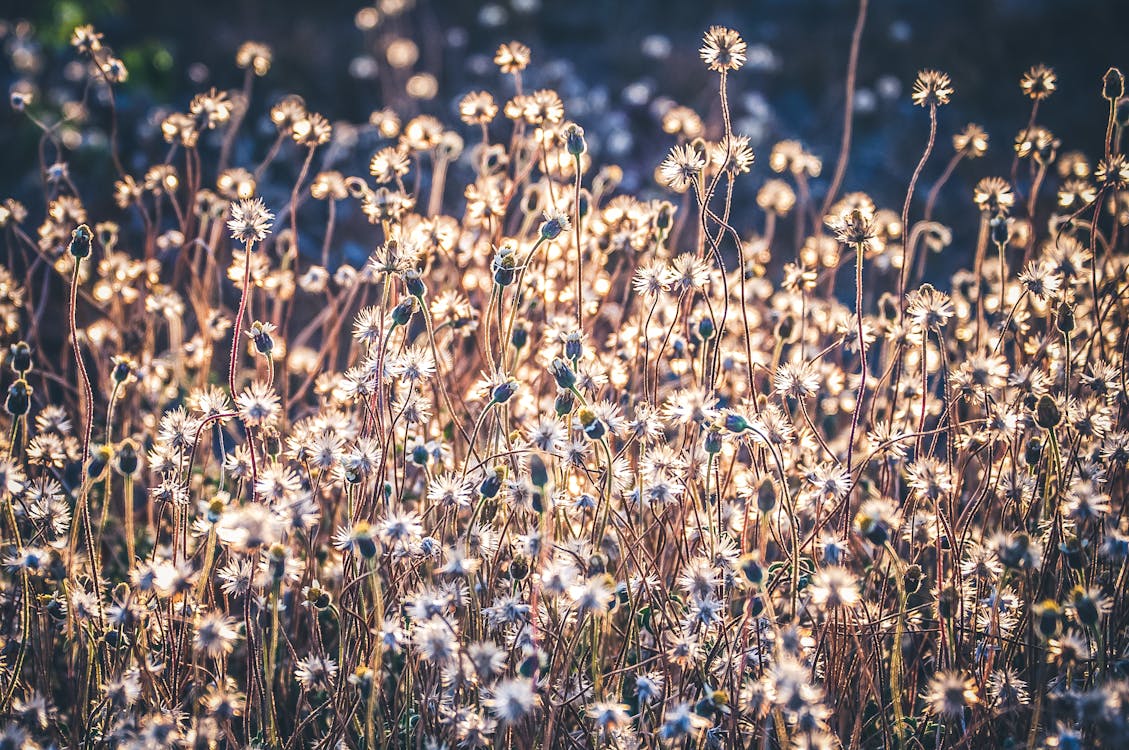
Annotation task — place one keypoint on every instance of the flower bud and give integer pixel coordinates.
(1047, 414)
(573, 346)
(713, 441)
(751, 569)
(414, 283)
(21, 357)
(1113, 85)
(564, 402)
(18, 403)
(1065, 318)
(735, 423)
(504, 265)
(503, 392)
(123, 369)
(574, 139)
(492, 484)
(538, 473)
(553, 226)
(520, 336)
(766, 496)
(125, 460)
(81, 239)
(404, 310)
(519, 568)
(562, 373)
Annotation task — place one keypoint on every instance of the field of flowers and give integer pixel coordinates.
(559, 464)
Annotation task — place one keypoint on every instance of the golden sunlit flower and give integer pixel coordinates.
(723, 49)
(932, 88)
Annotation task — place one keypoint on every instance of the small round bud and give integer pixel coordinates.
(573, 346)
(713, 441)
(538, 473)
(735, 423)
(520, 336)
(81, 239)
(766, 495)
(18, 403)
(1064, 318)
(574, 139)
(564, 402)
(125, 459)
(123, 369)
(492, 484)
(1113, 85)
(414, 283)
(912, 579)
(100, 459)
(1048, 619)
(504, 265)
(20, 357)
(751, 569)
(519, 568)
(999, 230)
(562, 373)
(404, 310)
(1047, 413)
(554, 225)
(503, 392)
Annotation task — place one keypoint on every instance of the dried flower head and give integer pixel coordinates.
(250, 221)
(723, 49)
(932, 88)
(1038, 82)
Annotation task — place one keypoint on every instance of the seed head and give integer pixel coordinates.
(723, 49)
(250, 221)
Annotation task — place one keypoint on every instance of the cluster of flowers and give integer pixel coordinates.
(560, 466)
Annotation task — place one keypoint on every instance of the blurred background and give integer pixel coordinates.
(617, 64)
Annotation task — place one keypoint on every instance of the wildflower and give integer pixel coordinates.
(608, 716)
(733, 154)
(250, 221)
(593, 595)
(358, 538)
(1038, 82)
(929, 308)
(723, 49)
(258, 405)
(932, 88)
(972, 142)
(511, 700)
(512, 57)
(254, 56)
(556, 222)
(950, 693)
(855, 228)
(477, 108)
(994, 196)
(680, 723)
(86, 40)
(834, 587)
(215, 635)
(315, 672)
(682, 167)
(1113, 172)
(260, 334)
(435, 641)
(311, 130)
